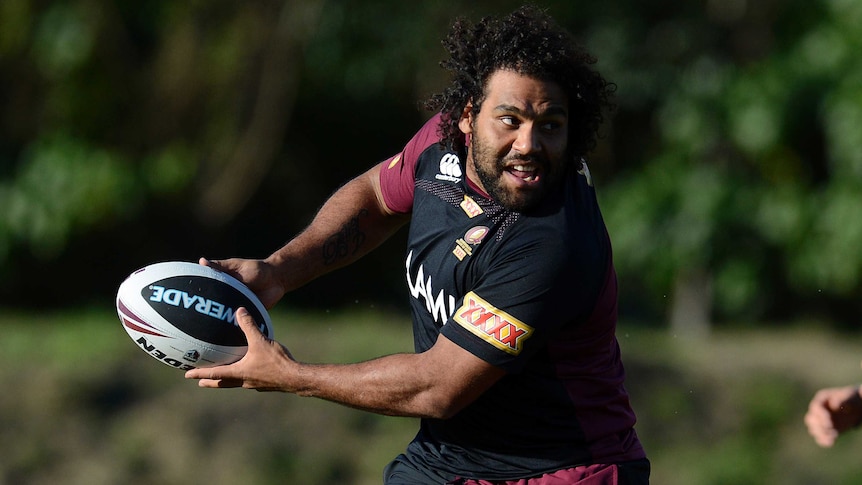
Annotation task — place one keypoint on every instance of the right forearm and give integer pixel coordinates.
(349, 225)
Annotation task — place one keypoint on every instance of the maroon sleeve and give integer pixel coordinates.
(397, 176)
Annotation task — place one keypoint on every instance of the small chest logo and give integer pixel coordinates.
(464, 245)
(450, 168)
(476, 235)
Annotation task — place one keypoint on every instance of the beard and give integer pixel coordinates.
(491, 169)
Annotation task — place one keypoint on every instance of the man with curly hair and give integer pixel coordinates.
(516, 375)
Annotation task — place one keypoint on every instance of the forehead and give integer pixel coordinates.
(506, 88)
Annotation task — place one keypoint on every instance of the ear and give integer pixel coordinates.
(466, 121)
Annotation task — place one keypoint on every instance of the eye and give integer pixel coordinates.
(510, 120)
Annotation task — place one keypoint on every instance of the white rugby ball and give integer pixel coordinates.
(183, 314)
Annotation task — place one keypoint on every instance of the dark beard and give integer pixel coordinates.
(490, 176)
(508, 200)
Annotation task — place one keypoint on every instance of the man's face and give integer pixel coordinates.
(517, 152)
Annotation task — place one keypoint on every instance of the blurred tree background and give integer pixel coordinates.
(135, 131)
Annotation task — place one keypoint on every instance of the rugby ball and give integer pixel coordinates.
(183, 314)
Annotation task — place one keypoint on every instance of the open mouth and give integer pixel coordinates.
(527, 173)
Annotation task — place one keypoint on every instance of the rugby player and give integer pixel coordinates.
(516, 374)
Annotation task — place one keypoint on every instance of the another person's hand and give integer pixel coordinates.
(262, 367)
(262, 278)
(833, 411)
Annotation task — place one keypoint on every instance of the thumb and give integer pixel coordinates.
(248, 326)
(213, 263)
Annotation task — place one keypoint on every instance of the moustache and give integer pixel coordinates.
(534, 159)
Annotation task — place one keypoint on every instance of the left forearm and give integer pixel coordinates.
(436, 383)
(394, 385)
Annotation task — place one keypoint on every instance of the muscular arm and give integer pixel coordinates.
(433, 384)
(351, 223)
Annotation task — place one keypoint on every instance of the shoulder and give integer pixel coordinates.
(427, 136)
(398, 172)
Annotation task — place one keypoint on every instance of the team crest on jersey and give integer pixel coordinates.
(476, 234)
(464, 245)
(470, 207)
(450, 168)
(492, 325)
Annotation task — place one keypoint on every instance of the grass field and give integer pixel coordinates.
(82, 405)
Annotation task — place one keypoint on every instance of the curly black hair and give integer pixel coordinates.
(529, 42)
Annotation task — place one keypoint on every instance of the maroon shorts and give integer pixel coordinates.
(631, 473)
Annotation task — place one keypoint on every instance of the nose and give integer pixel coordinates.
(527, 139)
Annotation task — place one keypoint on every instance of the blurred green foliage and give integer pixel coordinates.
(98, 410)
(64, 186)
(171, 129)
(752, 174)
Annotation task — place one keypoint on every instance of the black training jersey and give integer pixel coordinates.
(533, 293)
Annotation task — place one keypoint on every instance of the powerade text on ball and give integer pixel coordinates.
(204, 305)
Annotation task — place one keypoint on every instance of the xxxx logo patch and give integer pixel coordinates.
(470, 207)
(492, 325)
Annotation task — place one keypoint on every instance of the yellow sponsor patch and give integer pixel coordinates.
(492, 325)
(470, 207)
